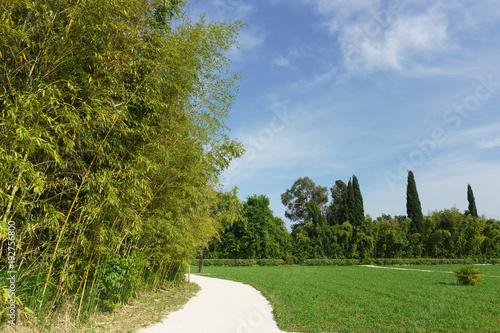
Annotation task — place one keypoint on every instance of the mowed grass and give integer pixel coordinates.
(365, 299)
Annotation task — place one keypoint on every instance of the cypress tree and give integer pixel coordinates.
(472, 201)
(349, 202)
(358, 209)
(413, 207)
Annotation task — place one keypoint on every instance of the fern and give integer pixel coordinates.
(467, 275)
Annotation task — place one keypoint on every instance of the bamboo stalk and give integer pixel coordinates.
(78, 192)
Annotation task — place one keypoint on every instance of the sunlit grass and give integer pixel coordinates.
(365, 299)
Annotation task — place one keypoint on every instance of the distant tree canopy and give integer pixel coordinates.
(413, 206)
(472, 201)
(339, 230)
(337, 210)
(303, 191)
(112, 141)
(259, 235)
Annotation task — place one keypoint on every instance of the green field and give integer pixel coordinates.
(366, 299)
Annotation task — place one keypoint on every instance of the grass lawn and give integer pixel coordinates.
(365, 299)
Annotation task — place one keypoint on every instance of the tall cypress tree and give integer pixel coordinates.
(472, 201)
(349, 203)
(358, 209)
(413, 207)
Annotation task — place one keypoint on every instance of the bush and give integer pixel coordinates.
(117, 277)
(270, 262)
(331, 262)
(495, 261)
(467, 275)
(226, 262)
(421, 261)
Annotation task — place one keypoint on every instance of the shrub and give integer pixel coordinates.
(467, 275)
(270, 262)
(330, 262)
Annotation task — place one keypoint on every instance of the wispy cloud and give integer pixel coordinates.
(393, 42)
(292, 54)
(249, 39)
(490, 143)
(232, 9)
(281, 61)
(481, 136)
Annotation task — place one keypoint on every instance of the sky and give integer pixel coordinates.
(335, 88)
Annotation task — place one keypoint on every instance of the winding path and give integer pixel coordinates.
(220, 306)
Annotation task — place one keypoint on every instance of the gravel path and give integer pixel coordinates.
(405, 269)
(425, 270)
(220, 306)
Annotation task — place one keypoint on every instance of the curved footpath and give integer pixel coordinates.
(221, 306)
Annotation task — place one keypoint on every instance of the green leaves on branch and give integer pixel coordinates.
(295, 199)
(112, 141)
(467, 275)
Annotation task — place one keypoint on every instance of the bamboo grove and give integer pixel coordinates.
(112, 138)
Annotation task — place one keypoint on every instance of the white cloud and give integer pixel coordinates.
(490, 143)
(340, 12)
(281, 61)
(232, 9)
(248, 40)
(291, 54)
(410, 41)
(484, 136)
(441, 185)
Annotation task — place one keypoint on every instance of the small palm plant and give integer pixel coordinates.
(467, 275)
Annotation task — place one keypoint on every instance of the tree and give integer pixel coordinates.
(295, 199)
(349, 202)
(358, 212)
(472, 201)
(413, 207)
(107, 109)
(260, 236)
(337, 211)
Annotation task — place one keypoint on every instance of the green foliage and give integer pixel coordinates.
(331, 262)
(227, 262)
(472, 202)
(357, 213)
(467, 275)
(326, 232)
(113, 139)
(116, 279)
(259, 235)
(413, 207)
(295, 199)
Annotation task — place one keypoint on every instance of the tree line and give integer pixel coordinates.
(112, 140)
(341, 230)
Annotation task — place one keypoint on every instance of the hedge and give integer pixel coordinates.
(331, 262)
(340, 262)
(421, 261)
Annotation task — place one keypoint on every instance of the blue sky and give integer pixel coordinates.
(332, 88)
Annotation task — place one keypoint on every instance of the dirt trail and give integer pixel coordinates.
(420, 270)
(220, 306)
